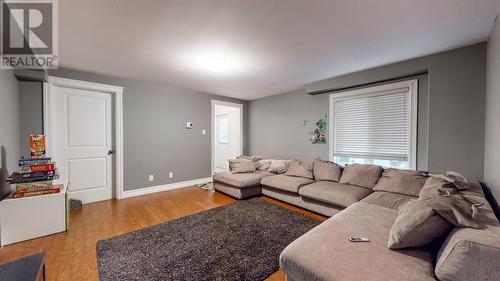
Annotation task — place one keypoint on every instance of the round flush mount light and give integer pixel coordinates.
(216, 64)
(214, 61)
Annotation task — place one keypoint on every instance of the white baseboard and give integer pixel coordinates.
(164, 187)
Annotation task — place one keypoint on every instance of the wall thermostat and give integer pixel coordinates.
(189, 125)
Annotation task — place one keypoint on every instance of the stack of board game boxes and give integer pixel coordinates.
(36, 174)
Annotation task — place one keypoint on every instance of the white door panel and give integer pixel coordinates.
(87, 174)
(82, 139)
(93, 109)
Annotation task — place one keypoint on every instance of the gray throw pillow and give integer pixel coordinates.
(237, 166)
(263, 165)
(327, 171)
(278, 166)
(417, 225)
(406, 182)
(251, 158)
(298, 168)
(363, 175)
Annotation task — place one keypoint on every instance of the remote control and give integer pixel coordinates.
(359, 239)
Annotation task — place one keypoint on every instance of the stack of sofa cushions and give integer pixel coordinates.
(340, 188)
(432, 216)
(237, 166)
(396, 187)
(245, 164)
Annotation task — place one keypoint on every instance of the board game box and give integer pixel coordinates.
(37, 146)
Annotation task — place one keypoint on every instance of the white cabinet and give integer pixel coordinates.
(26, 218)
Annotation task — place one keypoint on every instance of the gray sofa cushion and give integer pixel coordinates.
(237, 166)
(417, 226)
(468, 253)
(387, 199)
(298, 168)
(250, 158)
(361, 175)
(240, 180)
(401, 181)
(334, 193)
(324, 253)
(327, 171)
(278, 166)
(286, 183)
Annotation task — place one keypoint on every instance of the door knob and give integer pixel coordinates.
(110, 152)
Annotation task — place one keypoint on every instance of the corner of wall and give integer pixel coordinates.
(9, 126)
(492, 113)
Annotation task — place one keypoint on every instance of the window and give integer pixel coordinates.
(375, 125)
(223, 128)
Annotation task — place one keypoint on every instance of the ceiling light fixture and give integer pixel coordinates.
(216, 64)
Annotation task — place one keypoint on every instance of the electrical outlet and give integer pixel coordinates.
(151, 177)
(203, 132)
(170, 175)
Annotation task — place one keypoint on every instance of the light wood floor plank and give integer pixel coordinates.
(72, 255)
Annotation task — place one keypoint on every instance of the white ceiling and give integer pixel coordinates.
(270, 46)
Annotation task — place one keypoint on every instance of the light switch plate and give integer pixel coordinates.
(203, 132)
(151, 177)
(170, 175)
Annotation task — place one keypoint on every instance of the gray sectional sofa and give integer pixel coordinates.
(368, 207)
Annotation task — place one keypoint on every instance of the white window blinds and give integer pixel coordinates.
(375, 123)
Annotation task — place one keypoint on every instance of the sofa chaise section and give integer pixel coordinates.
(325, 254)
(241, 185)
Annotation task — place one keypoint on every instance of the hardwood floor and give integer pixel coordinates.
(71, 255)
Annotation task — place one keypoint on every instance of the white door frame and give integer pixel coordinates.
(115, 91)
(212, 135)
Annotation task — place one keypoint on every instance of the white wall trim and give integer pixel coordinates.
(163, 187)
(212, 132)
(116, 91)
(84, 85)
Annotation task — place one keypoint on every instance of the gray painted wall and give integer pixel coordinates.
(31, 113)
(155, 139)
(455, 112)
(492, 136)
(9, 127)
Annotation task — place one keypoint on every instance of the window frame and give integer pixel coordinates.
(412, 85)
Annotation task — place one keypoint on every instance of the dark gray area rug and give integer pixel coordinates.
(240, 241)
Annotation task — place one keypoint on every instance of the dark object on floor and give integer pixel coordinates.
(206, 186)
(75, 204)
(30, 268)
(240, 241)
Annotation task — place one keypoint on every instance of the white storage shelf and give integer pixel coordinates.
(26, 218)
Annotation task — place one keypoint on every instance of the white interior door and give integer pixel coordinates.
(227, 133)
(222, 143)
(82, 142)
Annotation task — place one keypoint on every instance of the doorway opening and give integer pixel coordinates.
(227, 133)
